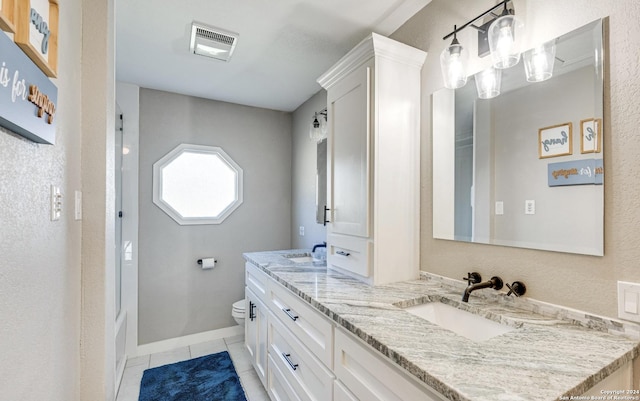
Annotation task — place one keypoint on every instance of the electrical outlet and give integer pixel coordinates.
(301, 231)
(529, 207)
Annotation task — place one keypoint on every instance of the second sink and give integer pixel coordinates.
(299, 258)
(466, 324)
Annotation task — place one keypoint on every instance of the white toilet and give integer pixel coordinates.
(237, 311)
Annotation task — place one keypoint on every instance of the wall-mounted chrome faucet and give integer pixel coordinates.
(475, 283)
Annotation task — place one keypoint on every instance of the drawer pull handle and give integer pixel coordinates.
(289, 361)
(252, 315)
(343, 253)
(291, 315)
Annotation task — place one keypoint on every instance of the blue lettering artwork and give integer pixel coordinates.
(27, 96)
(576, 172)
(43, 28)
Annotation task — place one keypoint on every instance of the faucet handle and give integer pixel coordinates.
(473, 278)
(517, 288)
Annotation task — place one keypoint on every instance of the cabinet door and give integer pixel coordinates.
(349, 104)
(256, 327)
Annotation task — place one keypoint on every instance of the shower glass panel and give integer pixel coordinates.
(118, 229)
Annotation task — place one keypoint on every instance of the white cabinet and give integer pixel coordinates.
(373, 180)
(256, 320)
(306, 324)
(300, 354)
(369, 377)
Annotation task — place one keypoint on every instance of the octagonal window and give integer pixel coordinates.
(196, 184)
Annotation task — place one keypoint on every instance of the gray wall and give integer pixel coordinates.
(176, 297)
(303, 196)
(582, 282)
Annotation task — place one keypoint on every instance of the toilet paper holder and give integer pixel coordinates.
(200, 261)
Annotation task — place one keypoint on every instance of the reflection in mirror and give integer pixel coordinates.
(197, 184)
(525, 168)
(321, 181)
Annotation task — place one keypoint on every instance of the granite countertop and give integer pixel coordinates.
(545, 358)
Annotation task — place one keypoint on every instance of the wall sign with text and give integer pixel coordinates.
(8, 15)
(27, 96)
(591, 135)
(576, 172)
(37, 33)
(556, 140)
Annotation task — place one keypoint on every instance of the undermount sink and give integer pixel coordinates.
(466, 324)
(299, 258)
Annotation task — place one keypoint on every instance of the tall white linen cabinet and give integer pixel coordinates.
(373, 171)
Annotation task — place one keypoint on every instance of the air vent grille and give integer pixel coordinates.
(212, 42)
(215, 36)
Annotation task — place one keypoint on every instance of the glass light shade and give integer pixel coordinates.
(505, 38)
(539, 61)
(318, 128)
(453, 61)
(323, 127)
(488, 83)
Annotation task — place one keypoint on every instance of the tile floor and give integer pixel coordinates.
(130, 386)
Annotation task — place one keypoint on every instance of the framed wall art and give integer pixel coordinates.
(555, 140)
(37, 33)
(591, 135)
(8, 15)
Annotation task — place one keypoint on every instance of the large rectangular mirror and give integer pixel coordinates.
(525, 168)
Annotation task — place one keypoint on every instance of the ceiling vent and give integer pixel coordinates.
(212, 42)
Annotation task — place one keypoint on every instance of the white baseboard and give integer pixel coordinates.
(177, 342)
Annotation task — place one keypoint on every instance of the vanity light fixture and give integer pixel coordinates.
(318, 127)
(504, 35)
(539, 61)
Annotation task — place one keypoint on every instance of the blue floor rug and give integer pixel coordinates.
(208, 378)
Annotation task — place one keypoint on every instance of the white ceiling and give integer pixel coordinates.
(284, 45)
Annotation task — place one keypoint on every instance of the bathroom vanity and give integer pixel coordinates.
(316, 334)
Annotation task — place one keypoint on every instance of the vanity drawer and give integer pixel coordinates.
(308, 377)
(256, 280)
(278, 388)
(340, 392)
(368, 376)
(308, 325)
(350, 253)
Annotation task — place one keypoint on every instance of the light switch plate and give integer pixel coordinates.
(629, 301)
(499, 208)
(55, 203)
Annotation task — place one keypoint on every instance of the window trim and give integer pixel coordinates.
(166, 207)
